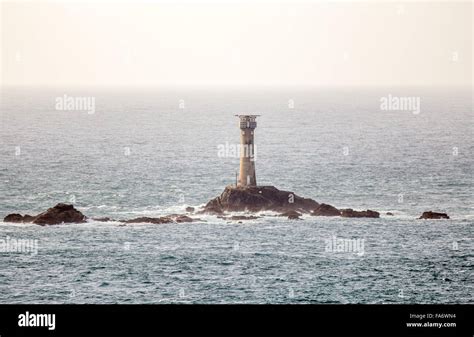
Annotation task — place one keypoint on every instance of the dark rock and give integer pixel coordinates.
(241, 217)
(389, 213)
(213, 207)
(189, 209)
(433, 215)
(237, 217)
(105, 219)
(13, 217)
(350, 213)
(258, 198)
(28, 218)
(292, 215)
(61, 213)
(326, 210)
(172, 218)
(160, 220)
(183, 218)
(18, 218)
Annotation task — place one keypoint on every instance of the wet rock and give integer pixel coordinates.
(183, 218)
(145, 219)
(350, 213)
(28, 218)
(326, 210)
(172, 218)
(433, 215)
(104, 219)
(213, 207)
(389, 213)
(189, 209)
(292, 215)
(241, 217)
(258, 198)
(18, 218)
(61, 213)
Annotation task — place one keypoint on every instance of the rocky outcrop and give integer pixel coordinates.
(183, 218)
(326, 210)
(233, 199)
(104, 219)
(145, 219)
(292, 215)
(258, 198)
(238, 217)
(350, 213)
(213, 207)
(61, 213)
(172, 218)
(269, 198)
(18, 218)
(433, 215)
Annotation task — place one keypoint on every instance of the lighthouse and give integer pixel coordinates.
(247, 126)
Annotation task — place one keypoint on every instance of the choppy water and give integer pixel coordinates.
(335, 146)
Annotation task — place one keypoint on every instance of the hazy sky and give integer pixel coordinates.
(236, 43)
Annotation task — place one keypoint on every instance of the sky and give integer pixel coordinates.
(236, 43)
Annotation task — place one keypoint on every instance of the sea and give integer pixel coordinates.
(155, 151)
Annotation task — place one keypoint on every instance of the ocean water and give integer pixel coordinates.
(151, 152)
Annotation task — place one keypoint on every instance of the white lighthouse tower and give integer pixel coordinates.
(247, 125)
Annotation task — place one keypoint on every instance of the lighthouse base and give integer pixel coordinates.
(258, 198)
